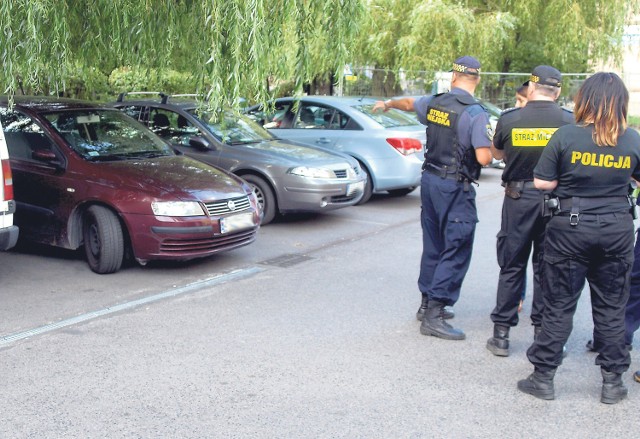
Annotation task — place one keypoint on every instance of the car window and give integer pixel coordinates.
(106, 135)
(388, 119)
(336, 120)
(138, 112)
(320, 117)
(172, 126)
(23, 134)
(282, 117)
(308, 117)
(231, 128)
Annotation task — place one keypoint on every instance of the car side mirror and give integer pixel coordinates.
(199, 143)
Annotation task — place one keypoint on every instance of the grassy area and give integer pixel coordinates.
(634, 122)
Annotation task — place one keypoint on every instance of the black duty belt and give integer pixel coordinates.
(575, 205)
(449, 173)
(442, 173)
(567, 204)
(518, 184)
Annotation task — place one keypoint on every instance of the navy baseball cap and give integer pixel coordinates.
(466, 64)
(546, 75)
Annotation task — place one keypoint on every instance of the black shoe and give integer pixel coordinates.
(539, 384)
(447, 313)
(433, 323)
(636, 376)
(499, 343)
(613, 390)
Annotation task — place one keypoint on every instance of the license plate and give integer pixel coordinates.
(355, 187)
(236, 222)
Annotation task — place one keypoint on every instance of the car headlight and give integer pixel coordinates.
(177, 208)
(305, 171)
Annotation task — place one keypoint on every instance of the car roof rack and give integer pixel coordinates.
(165, 97)
(122, 95)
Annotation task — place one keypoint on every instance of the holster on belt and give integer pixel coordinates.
(513, 189)
(550, 206)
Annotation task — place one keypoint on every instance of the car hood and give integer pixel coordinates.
(176, 176)
(287, 151)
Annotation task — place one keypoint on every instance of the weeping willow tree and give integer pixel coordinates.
(230, 47)
(506, 35)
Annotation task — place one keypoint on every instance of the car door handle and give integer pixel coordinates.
(323, 140)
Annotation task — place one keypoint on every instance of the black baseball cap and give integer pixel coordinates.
(466, 64)
(546, 75)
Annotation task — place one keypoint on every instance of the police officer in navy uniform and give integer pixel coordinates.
(520, 137)
(588, 166)
(458, 145)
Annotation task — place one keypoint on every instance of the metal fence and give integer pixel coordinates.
(497, 88)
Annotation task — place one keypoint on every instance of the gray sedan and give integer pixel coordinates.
(286, 176)
(389, 145)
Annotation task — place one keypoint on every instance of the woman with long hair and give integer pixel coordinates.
(588, 166)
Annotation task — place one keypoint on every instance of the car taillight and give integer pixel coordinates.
(7, 180)
(405, 146)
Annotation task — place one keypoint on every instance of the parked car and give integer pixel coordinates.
(88, 175)
(389, 145)
(8, 231)
(286, 176)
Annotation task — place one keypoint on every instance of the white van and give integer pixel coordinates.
(8, 232)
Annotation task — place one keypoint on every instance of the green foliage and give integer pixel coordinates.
(161, 80)
(505, 35)
(231, 48)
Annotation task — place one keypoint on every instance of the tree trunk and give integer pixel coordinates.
(383, 84)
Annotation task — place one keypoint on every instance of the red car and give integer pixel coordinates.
(88, 175)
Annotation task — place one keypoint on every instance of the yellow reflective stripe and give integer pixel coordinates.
(531, 136)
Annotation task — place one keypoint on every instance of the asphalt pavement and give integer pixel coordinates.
(316, 343)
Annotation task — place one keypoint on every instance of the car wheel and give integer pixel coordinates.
(103, 240)
(266, 198)
(401, 192)
(368, 187)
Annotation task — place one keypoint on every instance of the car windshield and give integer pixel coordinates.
(234, 129)
(389, 119)
(104, 135)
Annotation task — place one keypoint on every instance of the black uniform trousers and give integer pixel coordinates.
(599, 249)
(448, 218)
(522, 228)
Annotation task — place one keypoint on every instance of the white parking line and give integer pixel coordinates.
(189, 288)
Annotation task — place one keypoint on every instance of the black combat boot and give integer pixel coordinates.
(433, 323)
(499, 343)
(613, 390)
(423, 307)
(448, 314)
(539, 384)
